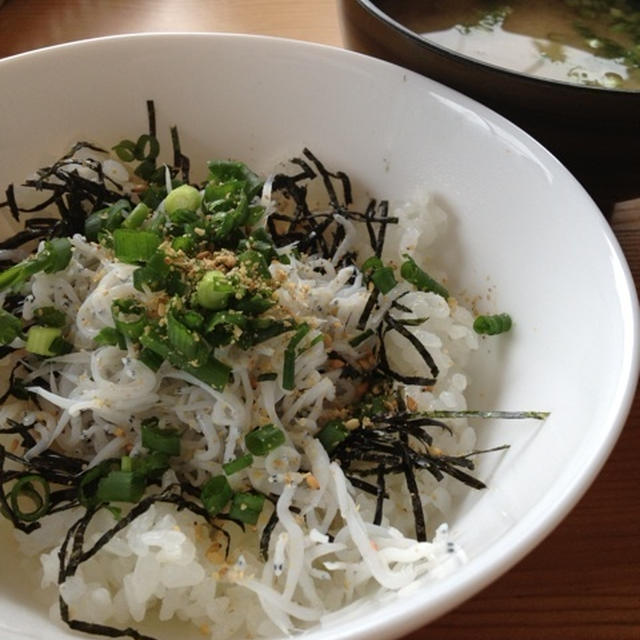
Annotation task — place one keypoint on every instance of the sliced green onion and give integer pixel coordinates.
(246, 507)
(161, 440)
(125, 150)
(152, 465)
(55, 256)
(492, 324)
(50, 317)
(255, 263)
(221, 318)
(154, 275)
(264, 439)
(371, 264)
(183, 243)
(255, 305)
(237, 464)
(332, 434)
(60, 346)
(10, 327)
(88, 484)
(107, 219)
(150, 358)
(192, 319)
(137, 216)
(288, 371)
(110, 336)
(40, 340)
(214, 290)
(129, 317)
(412, 273)
(212, 372)
(121, 486)
(261, 329)
(126, 463)
(223, 171)
(134, 245)
(384, 279)
(215, 494)
(140, 149)
(183, 197)
(188, 343)
(24, 489)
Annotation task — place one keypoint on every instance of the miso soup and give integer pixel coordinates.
(589, 42)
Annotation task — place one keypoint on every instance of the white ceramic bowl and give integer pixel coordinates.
(522, 229)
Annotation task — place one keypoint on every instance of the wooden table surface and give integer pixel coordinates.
(583, 581)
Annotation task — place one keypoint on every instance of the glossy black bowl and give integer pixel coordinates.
(595, 132)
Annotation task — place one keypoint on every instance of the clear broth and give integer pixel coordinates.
(549, 39)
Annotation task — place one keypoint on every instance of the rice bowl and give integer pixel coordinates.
(511, 156)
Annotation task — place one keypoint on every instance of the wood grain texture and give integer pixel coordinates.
(583, 581)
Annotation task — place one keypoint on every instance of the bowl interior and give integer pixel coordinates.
(523, 235)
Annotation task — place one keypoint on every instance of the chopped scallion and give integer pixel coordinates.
(161, 440)
(134, 245)
(214, 290)
(412, 273)
(264, 439)
(288, 371)
(384, 279)
(40, 340)
(137, 216)
(237, 464)
(492, 324)
(246, 507)
(183, 197)
(10, 327)
(215, 494)
(50, 317)
(332, 434)
(121, 486)
(25, 490)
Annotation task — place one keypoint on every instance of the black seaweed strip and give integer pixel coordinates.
(100, 629)
(83, 144)
(412, 487)
(415, 342)
(20, 238)
(265, 538)
(6, 394)
(384, 213)
(11, 203)
(5, 350)
(407, 418)
(464, 477)
(338, 237)
(326, 178)
(4, 503)
(380, 476)
(368, 308)
(307, 172)
(384, 366)
(368, 214)
(401, 307)
(367, 487)
(151, 117)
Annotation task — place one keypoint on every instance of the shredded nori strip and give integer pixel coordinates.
(401, 443)
(265, 536)
(318, 232)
